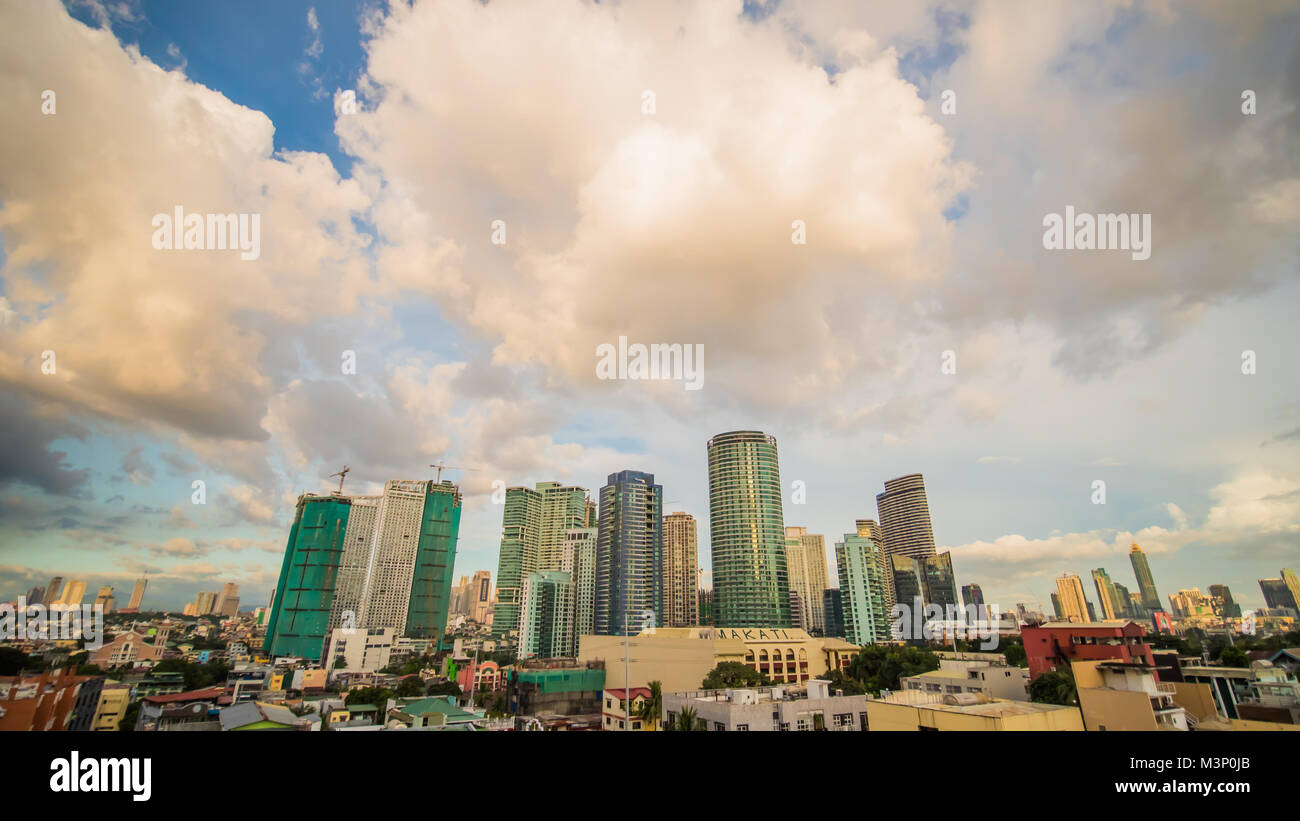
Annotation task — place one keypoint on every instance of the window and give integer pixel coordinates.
(742, 728)
(719, 726)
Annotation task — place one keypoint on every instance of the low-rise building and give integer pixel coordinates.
(360, 649)
(1116, 695)
(257, 715)
(559, 687)
(912, 710)
(986, 673)
(1056, 643)
(195, 710)
(614, 710)
(681, 657)
(781, 708)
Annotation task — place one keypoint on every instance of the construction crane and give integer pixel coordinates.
(342, 474)
(440, 467)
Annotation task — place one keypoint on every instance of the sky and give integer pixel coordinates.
(644, 169)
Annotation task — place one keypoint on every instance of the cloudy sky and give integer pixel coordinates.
(648, 162)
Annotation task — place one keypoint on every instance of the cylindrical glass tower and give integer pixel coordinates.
(747, 531)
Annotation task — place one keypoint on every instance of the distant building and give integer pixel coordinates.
(546, 616)
(860, 564)
(367, 650)
(1277, 594)
(805, 559)
(680, 578)
(1073, 604)
(971, 594)
(1146, 582)
(137, 594)
(629, 553)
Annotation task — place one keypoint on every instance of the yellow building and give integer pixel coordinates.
(911, 710)
(680, 657)
(613, 710)
(113, 701)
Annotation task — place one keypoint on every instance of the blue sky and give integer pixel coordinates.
(924, 235)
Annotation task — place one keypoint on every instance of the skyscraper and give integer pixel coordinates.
(227, 603)
(1107, 595)
(1146, 583)
(1228, 608)
(52, 591)
(940, 584)
(546, 616)
(1073, 604)
(408, 558)
(104, 598)
(905, 517)
(478, 596)
(1292, 583)
(751, 584)
(805, 561)
(36, 595)
(629, 553)
(354, 561)
(533, 528)
(304, 593)
(681, 559)
(137, 593)
(862, 590)
(871, 530)
(1277, 594)
(833, 607)
(72, 593)
(972, 595)
(578, 559)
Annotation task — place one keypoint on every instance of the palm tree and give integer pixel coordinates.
(652, 707)
(688, 721)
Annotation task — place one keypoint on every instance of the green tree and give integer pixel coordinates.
(687, 721)
(879, 667)
(129, 716)
(368, 695)
(444, 688)
(1016, 655)
(409, 687)
(733, 674)
(1054, 687)
(652, 707)
(1234, 657)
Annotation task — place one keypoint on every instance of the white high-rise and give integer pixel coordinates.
(578, 559)
(805, 560)
(392, 555)
(681, 571)
(354, 564)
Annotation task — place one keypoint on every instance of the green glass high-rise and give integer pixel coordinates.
(300, 610)
(751, 585)
(1146, 583)
(862, 590)
(533, 530)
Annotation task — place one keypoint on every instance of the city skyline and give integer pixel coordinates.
(382, 327)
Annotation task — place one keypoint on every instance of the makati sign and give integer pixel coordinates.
(753, 634)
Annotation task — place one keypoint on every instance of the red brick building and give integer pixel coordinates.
(1057, 643)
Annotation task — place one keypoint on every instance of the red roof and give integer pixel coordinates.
(636, 691)
(210, 694)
